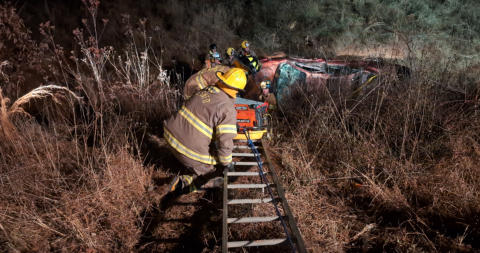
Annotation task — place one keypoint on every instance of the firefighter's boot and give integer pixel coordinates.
(216, 182)
(183, 184)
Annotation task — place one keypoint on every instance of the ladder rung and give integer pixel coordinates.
(244, 173)
(253, 219)
(243, 154)
(246, 147)
(254, 141)
(246, 163)
(249, 201)
(237, 244)
(246, 186)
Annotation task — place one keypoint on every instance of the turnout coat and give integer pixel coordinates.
(204, 128)
(203, 78)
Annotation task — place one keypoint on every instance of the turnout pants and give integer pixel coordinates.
(197, 167)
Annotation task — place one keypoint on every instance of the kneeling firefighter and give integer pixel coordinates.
(201, 133)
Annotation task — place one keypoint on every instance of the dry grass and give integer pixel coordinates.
(72, 175)
(77, 189)
(51, 102)
(395, 169)
(8, 130)
(57, 194)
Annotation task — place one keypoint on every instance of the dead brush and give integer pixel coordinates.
(8, 129)
(59, 192)
(25, 63)
(95, 217)
(82, 189)
(52, 102)
(378, 155)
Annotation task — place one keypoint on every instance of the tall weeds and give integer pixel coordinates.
(390, 167)
(80, 184)
(8, 130)
(394, 169)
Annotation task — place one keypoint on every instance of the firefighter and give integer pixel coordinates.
(265, 90)
(230, 56)
(213, 58)
(203, 78)
(246, 51)
(201, 133)
(266, 94)
(248, 59)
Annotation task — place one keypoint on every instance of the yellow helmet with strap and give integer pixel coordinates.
(235, 78)
(230, 51)
(245, 44)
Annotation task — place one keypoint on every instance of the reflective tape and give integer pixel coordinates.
(226, 129)
(196, 122)
(201, 82)
(213, 89)
(225, 159)
(182, 149)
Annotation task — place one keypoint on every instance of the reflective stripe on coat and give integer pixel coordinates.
(203, 129)
(203, 78)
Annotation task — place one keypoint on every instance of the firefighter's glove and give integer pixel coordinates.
(230, 167)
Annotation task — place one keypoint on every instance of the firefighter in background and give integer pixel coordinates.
(266, 94)
(246, 50)
(265, 90)
(230, 57)
(203, 78)
(213, 58)
(201, 133)
(248, 59)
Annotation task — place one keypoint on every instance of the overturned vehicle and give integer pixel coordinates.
(347, 76)
(270, 81)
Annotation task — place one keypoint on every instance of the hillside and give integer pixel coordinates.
(85, 87)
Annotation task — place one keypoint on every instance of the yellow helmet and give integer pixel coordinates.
(265, 84)
(245, 44)
(230, 51)
(235, 78)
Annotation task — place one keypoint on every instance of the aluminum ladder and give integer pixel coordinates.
(247, 169)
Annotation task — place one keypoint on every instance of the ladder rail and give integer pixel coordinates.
(225, 212)
(286, 207)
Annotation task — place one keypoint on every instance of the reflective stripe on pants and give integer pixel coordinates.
(197, 167)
